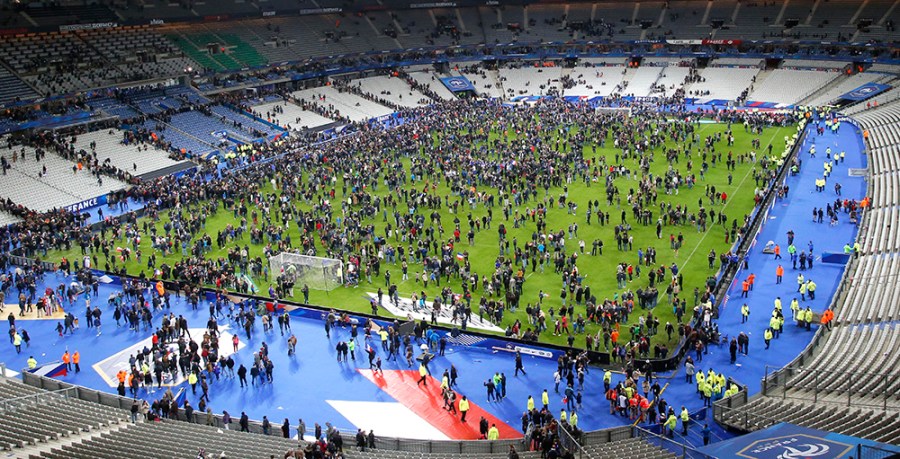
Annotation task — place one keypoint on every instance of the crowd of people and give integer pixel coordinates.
(311, 216)
(292, 195)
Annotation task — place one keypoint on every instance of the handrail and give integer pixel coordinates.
(569, 442)
(652, 404)
(681, 450)
(11, 404)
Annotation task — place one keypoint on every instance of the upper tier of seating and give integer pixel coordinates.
(66, 62)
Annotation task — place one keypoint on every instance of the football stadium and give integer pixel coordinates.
(378, 229)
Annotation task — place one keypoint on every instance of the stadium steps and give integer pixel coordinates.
(194, 45)
(828, 87)
(192, 51)
(11, 86)
(760, 77)
(202, 39)
(495, 77)
(188, 134)
(242, 51)
(37, 450)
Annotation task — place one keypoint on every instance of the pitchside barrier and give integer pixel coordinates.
(384, 443)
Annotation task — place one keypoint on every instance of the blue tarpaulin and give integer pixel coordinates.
(865, 91)
(789, 441)
(458, 83)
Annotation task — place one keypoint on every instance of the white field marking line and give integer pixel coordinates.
(740, 185)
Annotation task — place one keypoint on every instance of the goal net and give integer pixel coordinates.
(316, 272)
(615, 110)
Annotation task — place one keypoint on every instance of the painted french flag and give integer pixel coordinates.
(460, 256)
(51, 371)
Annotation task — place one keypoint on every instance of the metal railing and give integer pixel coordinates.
(443, 446)
(678, 449)
(744, 420)
(816, 387)
(725, 405)
(568, 442)
(873, 452)
(10, 405)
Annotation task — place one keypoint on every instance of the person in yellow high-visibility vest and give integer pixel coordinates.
(562, 415)
(423, 375)
(494, 433)
(707, 393)
(463, 408)
(685, 420)
(573, 420)
(671, 422)
(530, 403)
(32, 363)
(545, 399)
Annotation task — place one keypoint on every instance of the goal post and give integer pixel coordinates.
(614, 110)
(316, 272)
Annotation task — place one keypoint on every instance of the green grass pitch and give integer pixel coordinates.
(599, 271)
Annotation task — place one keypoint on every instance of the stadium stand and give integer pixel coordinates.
(598, 77)
(530, 81)
(546, 23)
(61, 423)
(290, 115)
(382, 454)
(787, 87)
(7, 218)
(65, 62)
(178, 140)
(685, 20)
(864, 343)
(829, 94)
(52, 182)
(392, 89)
(31, 416)
(12, 88)
(722, 83)
(672, 79)
(486, 82)
(641, 80)
(140, 159)
(430, 81)
(352, 106)
(631, 447)
(172, 439)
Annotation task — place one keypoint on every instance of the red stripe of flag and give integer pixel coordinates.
(428, 404)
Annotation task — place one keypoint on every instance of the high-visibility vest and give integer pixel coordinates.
(463, 405)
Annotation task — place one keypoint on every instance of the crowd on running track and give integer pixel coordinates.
(524, 184)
